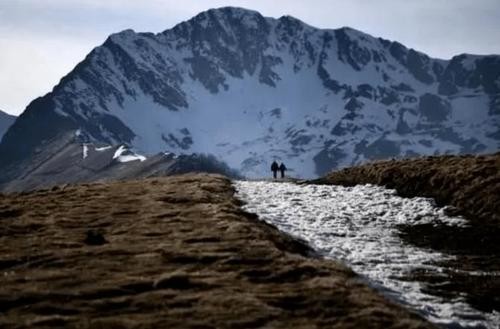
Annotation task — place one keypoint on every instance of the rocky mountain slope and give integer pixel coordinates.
(249, 88)
(73, 159)
(172, 252)
(6, 120)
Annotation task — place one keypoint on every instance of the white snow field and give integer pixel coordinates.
(358, 225)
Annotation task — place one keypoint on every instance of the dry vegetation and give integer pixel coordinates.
(172, 252)
(469, 183)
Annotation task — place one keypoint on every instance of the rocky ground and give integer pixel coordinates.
(471, 185)
(169, 252)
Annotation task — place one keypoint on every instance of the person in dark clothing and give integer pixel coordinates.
(274, 168)
(282, 170)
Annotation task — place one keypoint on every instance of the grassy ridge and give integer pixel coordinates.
(174, 252)
(471, 184)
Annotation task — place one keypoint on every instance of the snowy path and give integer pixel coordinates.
(358, 225)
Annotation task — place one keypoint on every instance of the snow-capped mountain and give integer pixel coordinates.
(249, 88)
(6, 120)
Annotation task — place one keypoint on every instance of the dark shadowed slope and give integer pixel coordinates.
(6, 120)
(169, 253)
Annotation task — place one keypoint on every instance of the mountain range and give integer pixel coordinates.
(249, 89)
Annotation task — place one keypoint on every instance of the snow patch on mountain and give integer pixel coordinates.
(102, 149)
(85, 151)
(123, 155)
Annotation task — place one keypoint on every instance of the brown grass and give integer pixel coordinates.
(469, 183)
(173, 252)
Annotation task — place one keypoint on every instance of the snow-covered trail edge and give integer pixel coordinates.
(358, 225)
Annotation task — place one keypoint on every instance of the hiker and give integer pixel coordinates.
(274, 169)
(282, 170)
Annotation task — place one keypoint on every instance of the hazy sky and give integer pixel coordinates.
(42, 40)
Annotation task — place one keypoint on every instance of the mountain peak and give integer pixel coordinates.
(218, 16)
(314, 98)
(235, 11)
(125, 34)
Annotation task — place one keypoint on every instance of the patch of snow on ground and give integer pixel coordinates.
(101, 149)
(85, 151)
(358, 225)
(131, 157)
(119, 152)
(122, 154)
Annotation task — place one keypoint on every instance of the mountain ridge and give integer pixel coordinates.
(6, 120)
(316, 98)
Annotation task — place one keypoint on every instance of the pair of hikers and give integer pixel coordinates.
(275, 167)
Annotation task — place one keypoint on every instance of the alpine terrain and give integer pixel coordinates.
(248, 88)
(6, 120)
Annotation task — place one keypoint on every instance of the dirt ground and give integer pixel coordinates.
(174, 252)
(471, 185)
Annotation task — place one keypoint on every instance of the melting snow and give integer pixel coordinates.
(358, 225)
(119, 152)
(104, 148)
(123, 154)
(128, 158)
(85, 151)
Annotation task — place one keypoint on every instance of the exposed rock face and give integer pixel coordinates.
(6, 121)
(172, 252)
(216, 83)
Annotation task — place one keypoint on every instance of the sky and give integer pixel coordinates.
(42, 40)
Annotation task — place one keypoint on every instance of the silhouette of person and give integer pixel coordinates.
(282, 169)
(274, 168)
